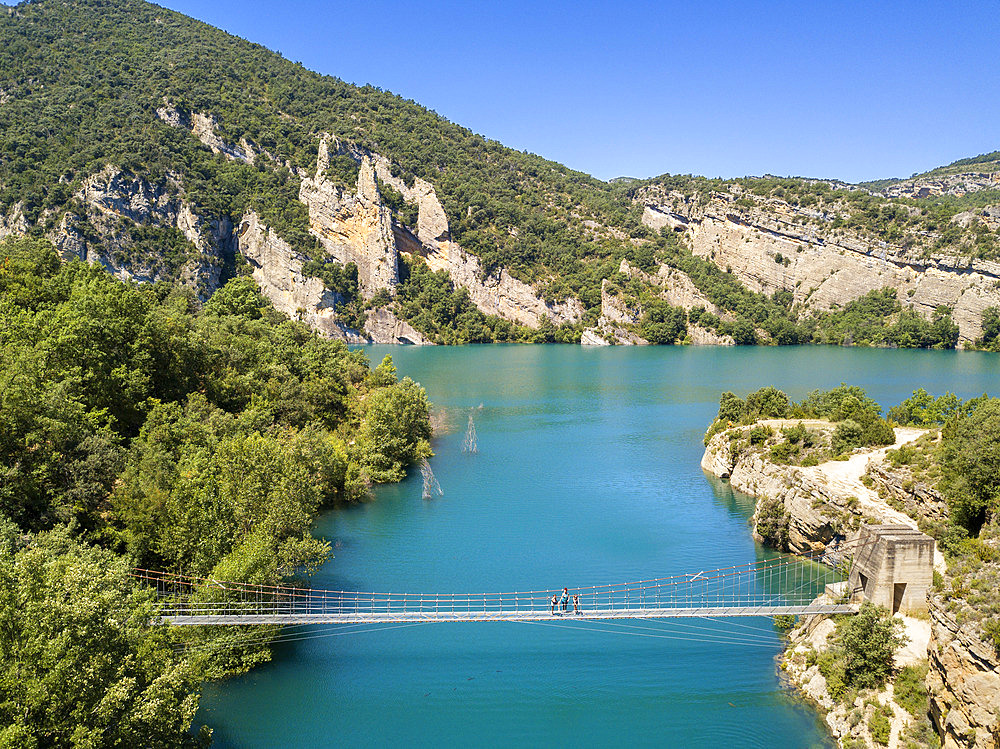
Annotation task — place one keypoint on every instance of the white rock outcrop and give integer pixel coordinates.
(116, 202)
(382, 326)
(203, 127)
(353, 228)
(821, 502)
(277, 269)
(964, 684)
(772, 246)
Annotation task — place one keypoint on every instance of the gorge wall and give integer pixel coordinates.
(770, 245)
(351, 226)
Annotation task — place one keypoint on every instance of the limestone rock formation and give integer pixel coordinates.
(115, 203)
(916, 498)
(277, 269)
(592, 337)
(821, 502)
(676, 288)
(14, 222)
(353, 228)
(615, 309)
(499, 293)
(949, 184)
(432, 222)
(772, 246)
(382, 326)
(849, 721)
(704, 337)
(203, 127)
(963, 680)
(615, 312)
(964, 684)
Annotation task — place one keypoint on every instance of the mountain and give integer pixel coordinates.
(167, 150)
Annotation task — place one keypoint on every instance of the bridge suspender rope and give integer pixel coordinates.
(778, 586)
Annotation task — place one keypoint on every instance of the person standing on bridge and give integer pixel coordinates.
(564, 599)
(576, 604)
(552, 610)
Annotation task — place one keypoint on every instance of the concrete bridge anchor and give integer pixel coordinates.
(893, 567)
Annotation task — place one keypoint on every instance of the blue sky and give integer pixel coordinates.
(853, 90)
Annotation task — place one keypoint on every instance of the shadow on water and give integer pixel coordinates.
(738, 504)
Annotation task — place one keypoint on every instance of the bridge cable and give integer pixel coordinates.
(303, 636)
(658, 636)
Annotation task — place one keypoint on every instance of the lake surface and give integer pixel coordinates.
(587, 472)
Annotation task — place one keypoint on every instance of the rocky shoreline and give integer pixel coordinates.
(828, 501)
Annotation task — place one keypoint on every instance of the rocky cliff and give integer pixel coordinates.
(821, 502)
(277, 269)
(964, 683)
(615, 326)
(947, 184)
(497, 293)
(353, 228)
(771, 245)
(124, 222)
(114, 208)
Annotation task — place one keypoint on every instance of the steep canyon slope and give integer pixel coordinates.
(165, 149)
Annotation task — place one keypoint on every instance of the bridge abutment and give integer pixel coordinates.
(893, 567)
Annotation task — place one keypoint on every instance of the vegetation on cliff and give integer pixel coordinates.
(874, 319)
(430, 302)
(81, 83)
(861, 655)
(945, 478)
(110, 65)
(958, 461)
(856, 419)
(927, 224)
(138, 428)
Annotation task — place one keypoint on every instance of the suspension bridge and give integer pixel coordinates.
(782, 585)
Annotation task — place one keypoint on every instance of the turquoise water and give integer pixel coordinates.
(587, 472)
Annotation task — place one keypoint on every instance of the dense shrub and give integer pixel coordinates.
(879, 726)
(909, 691)
(138, 429)
(772, 522)
(970, 460)
(868, 641)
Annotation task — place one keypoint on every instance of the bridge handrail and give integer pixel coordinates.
(294, 591)
(767, 582)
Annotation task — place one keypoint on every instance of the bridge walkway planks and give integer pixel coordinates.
(191, 619)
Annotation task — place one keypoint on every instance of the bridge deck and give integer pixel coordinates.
(501, 616)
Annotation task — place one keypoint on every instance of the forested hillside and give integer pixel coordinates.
(146, 141)
(82, 80)
(140, 428)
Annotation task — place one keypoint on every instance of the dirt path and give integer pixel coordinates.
(845, 475)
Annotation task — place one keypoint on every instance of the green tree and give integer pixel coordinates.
(970, 463)
(79, 664)
(990, 338)
(395, 430)
(922, 409)
(241, 296)
(869, 640)
(732, 408)
(767, 403)
(772, 523)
